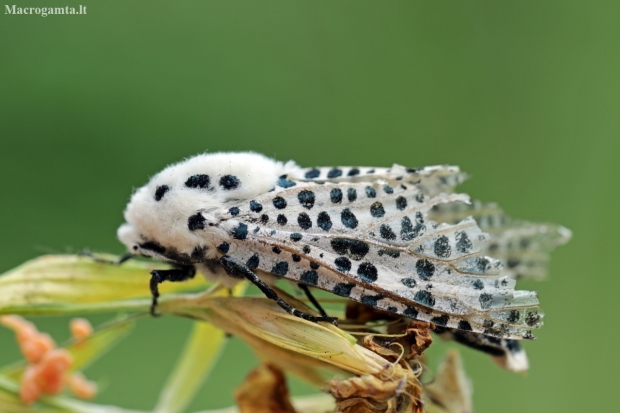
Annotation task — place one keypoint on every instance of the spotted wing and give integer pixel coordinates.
(523, 247)
(375, 244)
(430, 180)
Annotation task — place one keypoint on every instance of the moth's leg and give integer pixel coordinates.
(95, 258)
(313, 300)
(238, 270)
(125, 257)
(175, 275)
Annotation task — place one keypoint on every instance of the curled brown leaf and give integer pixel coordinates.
(264, 391)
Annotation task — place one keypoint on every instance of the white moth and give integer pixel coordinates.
(394, 238)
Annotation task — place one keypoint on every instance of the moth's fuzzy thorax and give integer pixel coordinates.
(158, 212)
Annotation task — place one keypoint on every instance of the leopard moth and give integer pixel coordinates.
(397, 239)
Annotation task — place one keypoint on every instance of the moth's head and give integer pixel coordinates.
(175, 216)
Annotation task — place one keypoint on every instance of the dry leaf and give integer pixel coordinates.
(451, 389)
(264, 391)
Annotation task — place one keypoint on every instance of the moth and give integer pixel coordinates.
(397, 239)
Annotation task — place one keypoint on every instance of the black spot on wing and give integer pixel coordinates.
(371, 300)
(340, 245)
(309, 277)
(198, 181)
(240, 232)
(304, 221)
(324, 221)
(279, 202)
(532, 318)
(351, 194)
(485, 300)
(440, 321)
(296, 236)
(477, 284)
(442, 247)
(425, 298)
(358, 249)
(386, 232)
(234, 211)
(370, 192)
(408, 231)
(285, 183)
(280, 269)
(306, 249)
(389, 252)
(514, 316)
(376, 210)
(281, 219)
(276, 250)
(388, 189)
(464, 325)
(343, 289)
(334, 173)
(255, 206)
(264, 218)
(229, 182)
(314, 265)
(425, 269)
(401, 203)
(296, 257)
(348, 219)
(161, 191)
(196, 221)
(463, 243)
(253, 262)
(408, 282)
(336, 195)
(367, 272)
(488, 323)
(353, 172)
(343, 264)
(306, 199)
(410, 312)
(355, 249)
(312, 173)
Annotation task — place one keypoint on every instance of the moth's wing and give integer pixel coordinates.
(374, 242)
(523, 247)
(281, 258)
(430, 180)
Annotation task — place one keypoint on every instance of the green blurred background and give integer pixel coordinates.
(523, 95)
